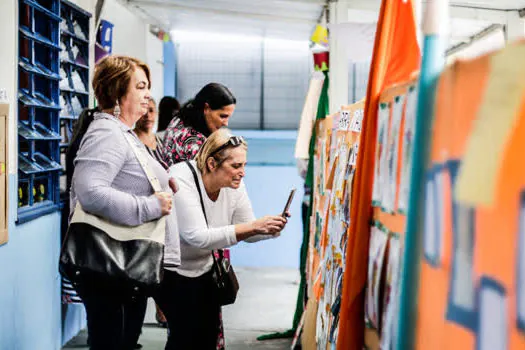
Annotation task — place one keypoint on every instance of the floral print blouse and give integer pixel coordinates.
(181, 142)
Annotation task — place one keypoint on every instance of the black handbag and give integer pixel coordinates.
(223, 274)
(130, 256)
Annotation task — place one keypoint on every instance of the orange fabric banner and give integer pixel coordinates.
(395, 59)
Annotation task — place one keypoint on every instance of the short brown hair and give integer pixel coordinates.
(112, 77)
(217, 139)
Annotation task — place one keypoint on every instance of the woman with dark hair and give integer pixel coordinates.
(168, 106)
(209, 111)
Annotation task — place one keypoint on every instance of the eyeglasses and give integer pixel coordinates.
(233, 141)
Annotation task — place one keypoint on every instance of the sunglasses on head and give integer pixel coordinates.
(233, 141)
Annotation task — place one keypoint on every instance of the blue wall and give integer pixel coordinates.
(170, 79)
(270, 175)
(29, 283)
(31, 310)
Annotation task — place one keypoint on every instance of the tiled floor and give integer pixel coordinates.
(266, 303)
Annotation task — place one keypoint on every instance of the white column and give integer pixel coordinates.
(515, 26)
(338, 90)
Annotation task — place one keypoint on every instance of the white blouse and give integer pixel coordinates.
(197, 240)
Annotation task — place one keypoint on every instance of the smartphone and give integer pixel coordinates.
(289, 202)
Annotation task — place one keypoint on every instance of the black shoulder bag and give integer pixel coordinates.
(223, 274)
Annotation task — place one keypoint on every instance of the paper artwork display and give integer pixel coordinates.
(378, 245)
(392, 156)
(407, 149)
(380, 157)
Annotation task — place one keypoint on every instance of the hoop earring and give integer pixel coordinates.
(116, 110)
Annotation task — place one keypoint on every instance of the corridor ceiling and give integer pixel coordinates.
(295, 19)
(289, 19)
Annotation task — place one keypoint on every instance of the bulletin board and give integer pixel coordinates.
(394, 143)
(335, 157)
(472, 275)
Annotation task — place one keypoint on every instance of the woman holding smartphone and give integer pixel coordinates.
(221, 219)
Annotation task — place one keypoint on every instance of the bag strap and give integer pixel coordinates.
(153, 180)
(196, 179)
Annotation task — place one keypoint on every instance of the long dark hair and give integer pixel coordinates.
(84, 120)
(168, 106)
(215, 95)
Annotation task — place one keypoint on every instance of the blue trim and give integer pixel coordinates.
(68, 61)
(29, 213)
(487, 283)
(457, 314)
(72, 91)
(520, 268)
(31, 69)
(432, 64)
(77, 8)
(43, 10)
(74, 36)
(38, 38)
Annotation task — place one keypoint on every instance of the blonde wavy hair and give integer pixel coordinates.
(213, 142)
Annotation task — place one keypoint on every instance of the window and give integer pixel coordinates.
(269, 78)
(461, 299)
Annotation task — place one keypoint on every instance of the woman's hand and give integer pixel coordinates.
(165, 200)
(173, 185)
(269, 225)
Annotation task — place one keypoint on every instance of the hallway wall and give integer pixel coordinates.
(31, 310)
(270, 175)
(29, 283)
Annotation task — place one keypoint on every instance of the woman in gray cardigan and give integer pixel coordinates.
(109, 182)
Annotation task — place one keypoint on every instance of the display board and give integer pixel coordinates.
(391, 185)
(472, 275)
(334, 166)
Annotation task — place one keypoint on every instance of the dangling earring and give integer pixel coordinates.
(116, 110)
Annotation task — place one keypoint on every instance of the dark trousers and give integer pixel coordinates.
(191, 309)
(114, 314)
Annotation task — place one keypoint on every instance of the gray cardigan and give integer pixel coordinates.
(109, 182)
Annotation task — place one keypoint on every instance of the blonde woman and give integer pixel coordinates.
(187, 295)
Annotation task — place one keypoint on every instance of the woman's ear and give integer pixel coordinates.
(207, 108)
(211, 164)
